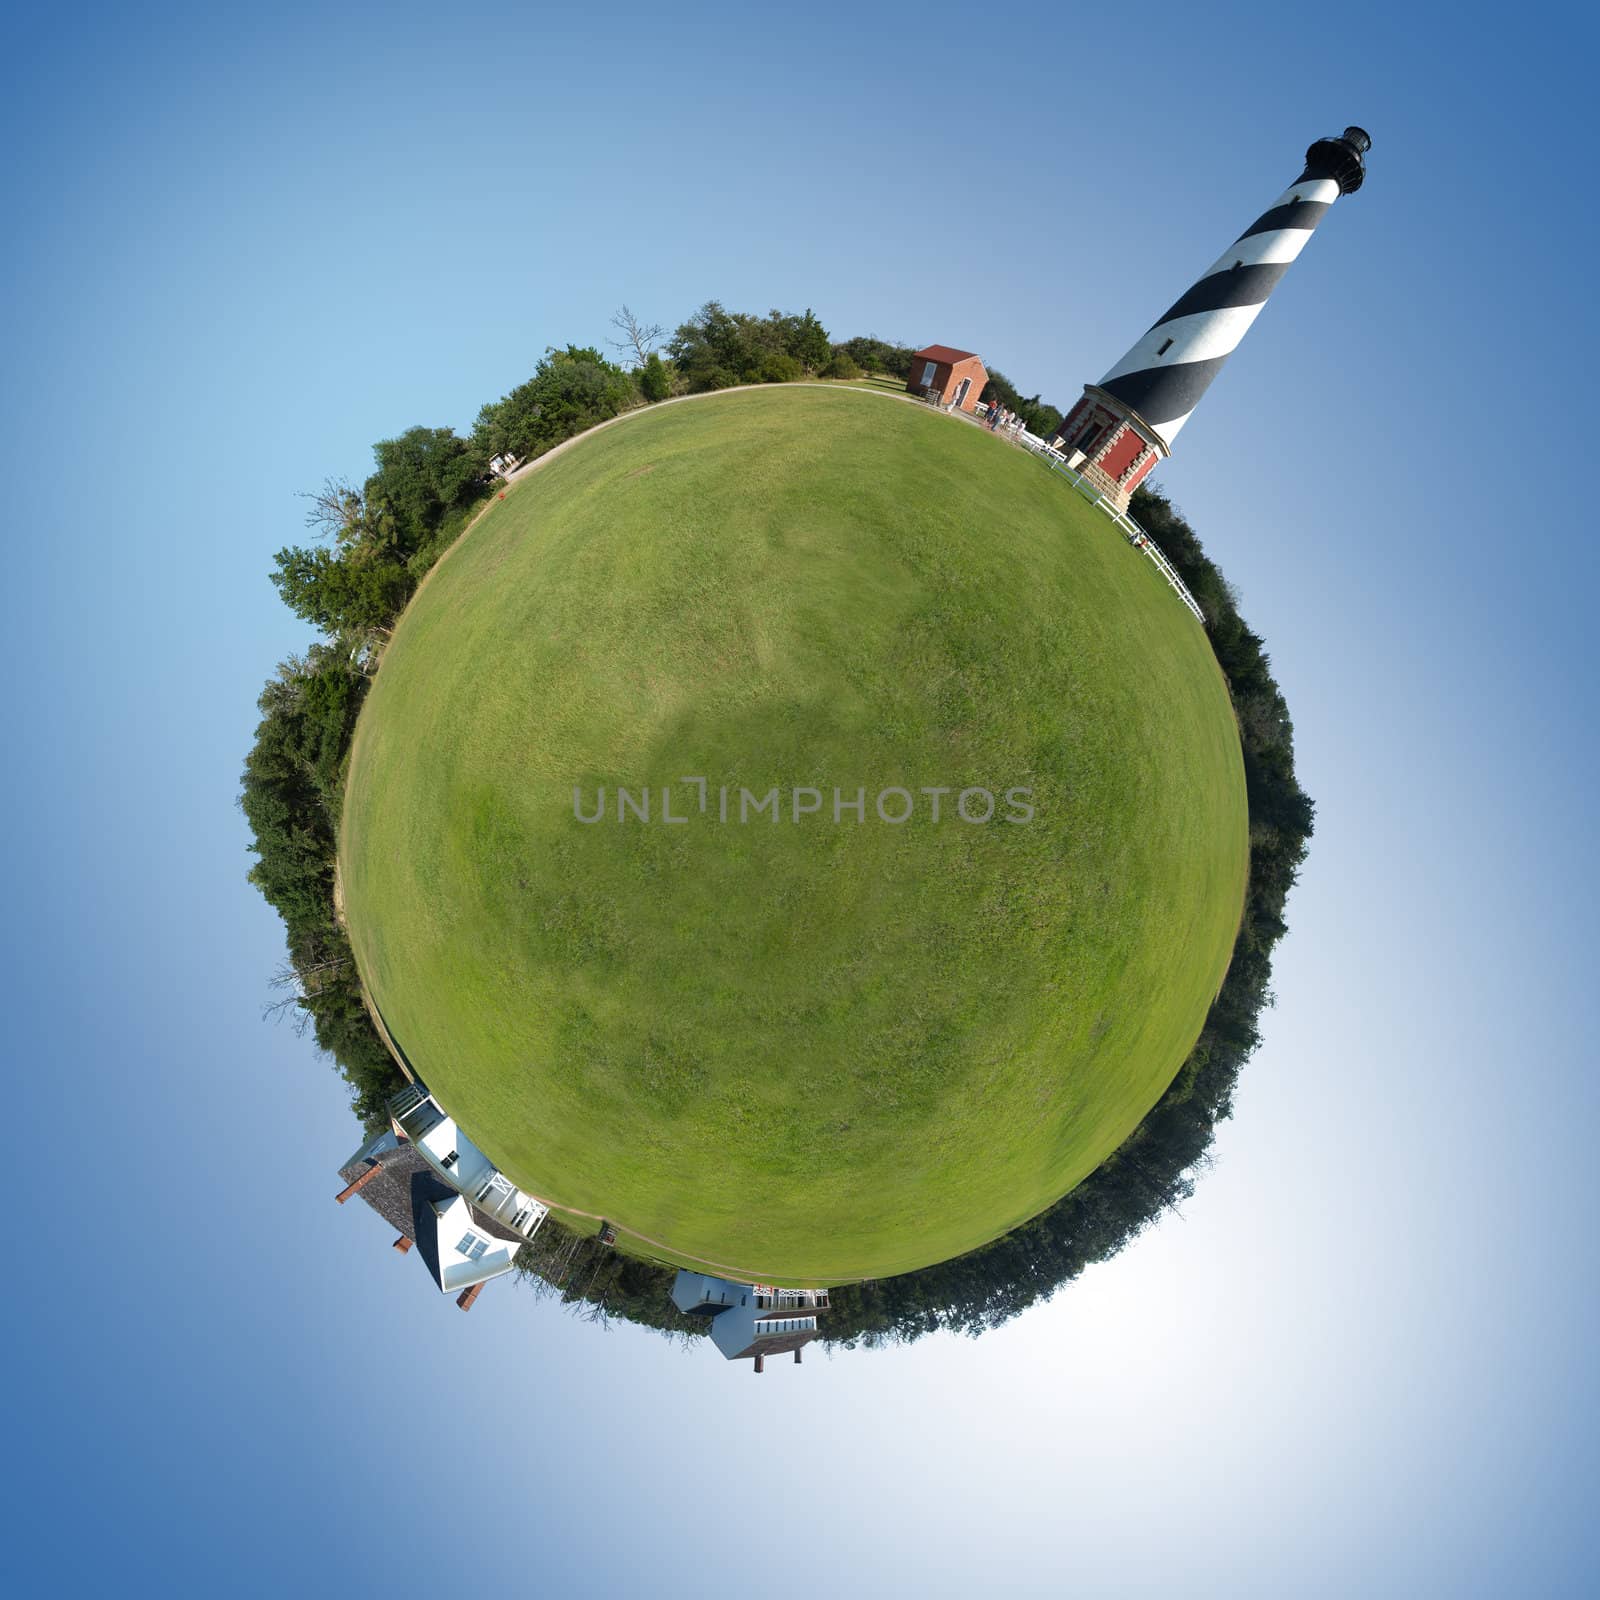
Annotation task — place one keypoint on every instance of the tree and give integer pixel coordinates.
(295, 987)
(340, 594)
(654, 383)
(711, 349)
(570, 390)
(717, 348)
(806, 339)
(638, 340)
(877, 355)
(778, 366)
(1037, 416)
(422, 476)
(336, 510)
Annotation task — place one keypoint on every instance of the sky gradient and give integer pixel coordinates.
(242, 250)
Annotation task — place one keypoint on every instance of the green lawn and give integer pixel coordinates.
(878, 381)
(807, 1051)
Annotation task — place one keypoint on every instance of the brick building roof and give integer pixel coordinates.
(943, 353)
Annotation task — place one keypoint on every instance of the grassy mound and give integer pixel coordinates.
(802, 1049)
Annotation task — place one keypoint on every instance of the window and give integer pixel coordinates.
(450, 1160)
(1166, 345)
(1090, 434)
(928, 370)
(472, 1247)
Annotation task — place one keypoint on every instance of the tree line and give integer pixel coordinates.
(372, 545)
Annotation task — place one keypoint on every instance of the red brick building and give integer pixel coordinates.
(1113, 452)
(952, 378)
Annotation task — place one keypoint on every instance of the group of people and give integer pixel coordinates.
(1000, 420)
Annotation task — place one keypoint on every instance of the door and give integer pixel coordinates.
(961, 392)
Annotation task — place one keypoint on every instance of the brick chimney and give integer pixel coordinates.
(761, 1363)
(402, 1244)
(360, 1183)
(467, 1296)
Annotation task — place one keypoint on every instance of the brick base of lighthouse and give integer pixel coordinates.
(1104, 448)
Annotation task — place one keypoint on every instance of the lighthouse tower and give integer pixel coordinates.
(1126, 423)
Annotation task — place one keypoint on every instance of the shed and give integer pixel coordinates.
(948, 377)
(750, 1319)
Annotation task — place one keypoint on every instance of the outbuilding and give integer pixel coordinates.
(750, 1319)
(948, 377)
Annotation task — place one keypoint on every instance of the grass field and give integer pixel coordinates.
(889, 385)
(807, 1051)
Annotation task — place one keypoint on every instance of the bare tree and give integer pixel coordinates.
(335, 509)
(295, 985)
(288, 1005)
(638, 338)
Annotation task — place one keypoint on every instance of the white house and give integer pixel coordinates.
(468, 1249)
(429, 1181)
(751, 1319)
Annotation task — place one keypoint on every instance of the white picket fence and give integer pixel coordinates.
(1058, 463)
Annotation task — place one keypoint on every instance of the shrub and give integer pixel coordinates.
(778, 367)
(654, 382)
(878, 355)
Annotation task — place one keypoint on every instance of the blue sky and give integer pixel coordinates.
(240, 250)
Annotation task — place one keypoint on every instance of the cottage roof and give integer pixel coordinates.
(427, 1236)
(406, 1192)
(405, 1184)
(944, 353)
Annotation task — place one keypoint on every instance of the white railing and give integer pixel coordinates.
(1135, 534)
(505, 1202)
(409, 1098)
(475, 1176)
(498, 1186)
(800, 1301)
(1154, 551)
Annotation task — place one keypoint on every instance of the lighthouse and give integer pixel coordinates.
(1126, 423)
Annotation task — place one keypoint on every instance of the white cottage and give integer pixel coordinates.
(751, 1319)
(424, 1177)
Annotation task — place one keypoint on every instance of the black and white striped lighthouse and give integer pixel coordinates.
(1126, 423)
